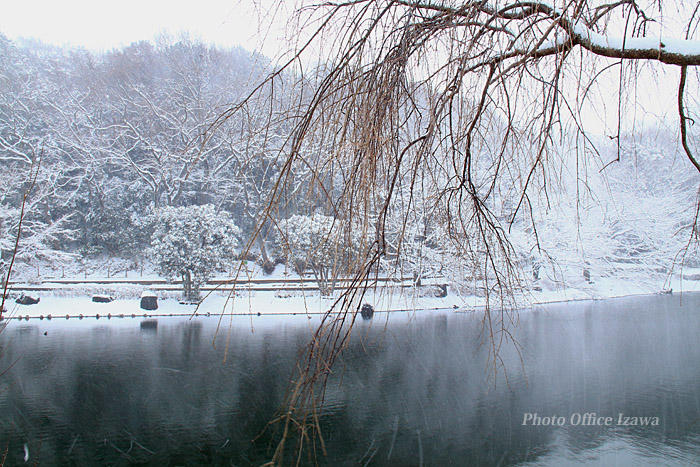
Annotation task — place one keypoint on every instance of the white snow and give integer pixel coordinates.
(254, 308)
(668, 45)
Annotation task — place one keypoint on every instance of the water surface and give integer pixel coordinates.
(418, 390)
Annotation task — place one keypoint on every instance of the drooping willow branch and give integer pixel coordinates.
(461, 98)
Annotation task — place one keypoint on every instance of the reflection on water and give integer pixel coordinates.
(418, 391)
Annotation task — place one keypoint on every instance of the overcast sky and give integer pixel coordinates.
(98, 25)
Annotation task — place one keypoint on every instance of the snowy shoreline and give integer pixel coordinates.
(75, 301)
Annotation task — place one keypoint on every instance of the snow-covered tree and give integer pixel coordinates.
(191, 243)
(38, 240)
(318, 243)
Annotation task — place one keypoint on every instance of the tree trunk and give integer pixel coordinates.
(187, 285)
(321, 279)
(263, 250)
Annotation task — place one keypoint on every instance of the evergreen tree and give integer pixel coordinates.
(191, 243)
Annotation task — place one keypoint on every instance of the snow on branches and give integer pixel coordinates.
(319, 243)
(191, 243)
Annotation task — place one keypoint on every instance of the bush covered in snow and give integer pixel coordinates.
(191, 243)
(317, 243)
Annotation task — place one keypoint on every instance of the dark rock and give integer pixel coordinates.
(27, 300)
(587, 275)
(268, 268)
(149, 301)
(367, 311)
(102, 298)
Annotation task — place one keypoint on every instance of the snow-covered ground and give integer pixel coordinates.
(280, 298)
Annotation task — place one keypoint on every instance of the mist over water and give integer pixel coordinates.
(417, 389)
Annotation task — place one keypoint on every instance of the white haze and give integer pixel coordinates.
(101, 26)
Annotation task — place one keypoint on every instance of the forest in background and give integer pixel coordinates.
(117, 136)
(113, 139)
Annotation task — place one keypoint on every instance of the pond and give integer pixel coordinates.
(613, 382)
